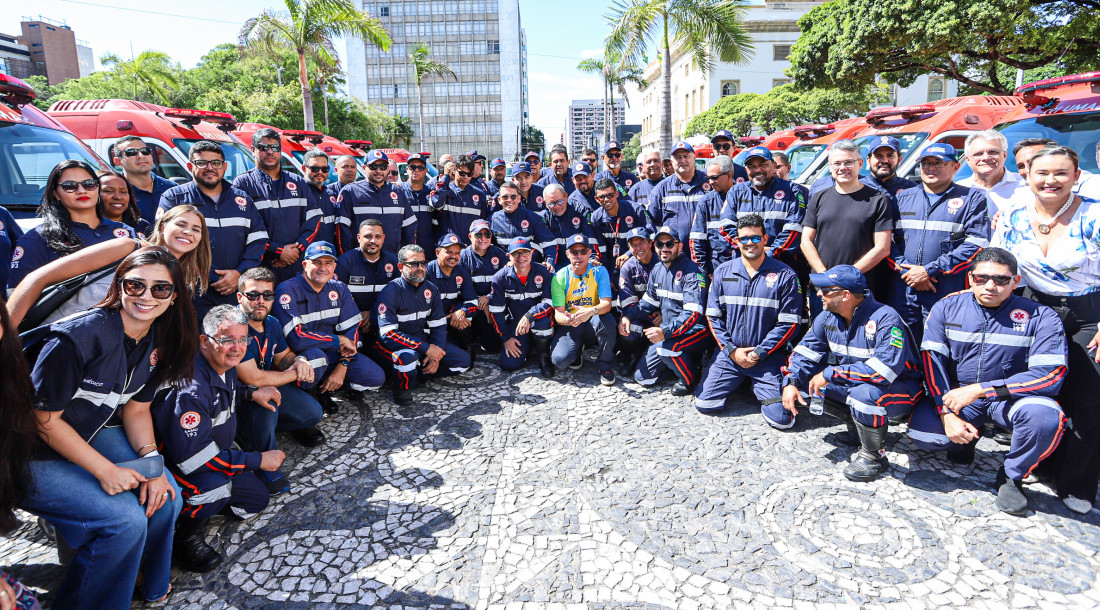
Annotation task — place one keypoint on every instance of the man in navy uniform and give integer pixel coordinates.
(633, 279)
(565, 221)
(530, 194)
(722, 141)
(384, 201)
(613, 161)
(456, 292)
(521, 311)
(459, 201)
(558, 172)
(497, 170)
(135, 157)
(652, 167)
(583, 197)
(417, 190)
(612, 221)
(483, 259)
(674, 201)
(512, 221)
(316, 167)
(708, 245)
(366, 270)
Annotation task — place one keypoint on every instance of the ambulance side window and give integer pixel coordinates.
(164, 164)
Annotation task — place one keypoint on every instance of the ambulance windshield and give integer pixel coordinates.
(27, 155)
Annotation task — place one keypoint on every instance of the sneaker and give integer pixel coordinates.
(275, 482)
(308, 437)
(1010, 498)
(607, 376)
(402, 397)
(682, 389)
(1077, 505)
(576, 364)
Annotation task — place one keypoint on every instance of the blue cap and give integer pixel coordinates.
(521, 166)
(880, 141)
(667, 230)
(318, 249)
(681, 146)
(474, 155)
(759, 151)
(577, 239)
(532, 153)
(449, 239)
(580, 167)
(939, 150)
(497, 163)
(612, 145)
(416, 157)
(519, 243)
(845, 277)
(721, 133)
(636, 232)
(376, 155)
(478, 225)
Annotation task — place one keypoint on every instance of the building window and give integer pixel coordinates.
(935, 89)
(494, 47)
(781, 52)
(780, 81)
(687, 67)
(731, 87)
(383, 10)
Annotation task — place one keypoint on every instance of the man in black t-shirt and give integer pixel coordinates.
(849, 223)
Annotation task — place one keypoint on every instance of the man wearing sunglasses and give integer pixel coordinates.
(135, 157)
(459, 201)
(613, 161)
(708, 245)
(612, 221)
(381, 200)
(754, 309)
(876, 378)
(366, 270)
(583, 197)
(483, 259)
(513, 221)
(530, 194)
(284, 201)
(722, 141)
(941, 226)
(581, 295)
(633, 279)
(534, 160)
(316, 167)
(677, 289)
(238, 235)
(992, 356)
(456, 292)
(674, 201)
(478, 179)
(417, 190)
(564, 221)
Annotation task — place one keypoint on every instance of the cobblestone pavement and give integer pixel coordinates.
(509, 491)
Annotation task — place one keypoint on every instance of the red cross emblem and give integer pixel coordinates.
(190, 420)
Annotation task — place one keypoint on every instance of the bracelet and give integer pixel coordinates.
(153, 445)
(302, 358)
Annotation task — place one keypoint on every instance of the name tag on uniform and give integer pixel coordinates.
(357, 280)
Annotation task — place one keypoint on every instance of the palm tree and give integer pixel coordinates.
(616, 74)
(308, 27)
(424, 66)
(153, 69)
(401, 131)
(328, 73)
(708, 30)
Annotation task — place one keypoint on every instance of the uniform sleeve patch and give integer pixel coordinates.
(897, 337)
(190, 420)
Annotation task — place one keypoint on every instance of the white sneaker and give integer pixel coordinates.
(1077, 505)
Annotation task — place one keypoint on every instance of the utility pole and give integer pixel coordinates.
(279, 73)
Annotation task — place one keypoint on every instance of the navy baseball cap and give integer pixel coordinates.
(759, 151)
(417, 157)
(845, 277)
(530, 154)
(575, 240)
(612, 145)
(478, 225)
(667, 230)
(721, 133)
(939, 150)
(881, 141)
(318, 249)
(449, 239)
(376, 155)
(681, 146)
(520, 167)
(519, 243)
(497, 163)
(473, 154)
(637, 232)
(580, 167)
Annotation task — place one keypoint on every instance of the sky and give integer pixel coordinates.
(557, 40)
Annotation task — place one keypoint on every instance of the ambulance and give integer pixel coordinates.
(169, 132)
(289, 162)
(808, 151)
(334, 148)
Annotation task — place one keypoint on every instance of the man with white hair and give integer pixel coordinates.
(986, 152)
(652, 172)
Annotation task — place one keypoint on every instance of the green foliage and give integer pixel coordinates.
(532, 138)
(783, 107)
(847, 44)
(731, 112)
(151, 73)
(631, 149)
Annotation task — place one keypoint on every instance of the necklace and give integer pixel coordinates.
(1045, 228)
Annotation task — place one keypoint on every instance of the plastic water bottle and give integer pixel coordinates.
(817, 403)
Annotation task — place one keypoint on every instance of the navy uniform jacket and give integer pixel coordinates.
(633, 279)
(314, 320)
(238, 236)
(782, 205)
(456, 291)
(264, 345)
(673, 202)
(611, 230)
(32, 252)
(708, 238)
(762, 311)
(284, 204)
(458, 208)
(491, 188)
(569, 223)
(941, 232)
(10, 232)
(876, 348)
(410, 317)
(418, 200)
(679, 292)
(527, 224)
(512, 299)
(147, 202)
(533, 201)
(365, 279)
(624, 181)
(386, 204)
(585, 204)
(325, 212)
(890, 187)
(1015, 350)
(483, 268)
(549, 178)
(639, 193)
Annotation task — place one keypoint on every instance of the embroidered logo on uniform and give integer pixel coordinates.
(679, 274)
(291, 186)
(476, 198)
(393, 195)
(576, 221)
(706, 186)
(523, 224)
(17, 253)
(495, 260)
(389, 267)
(381, 309)
(770, 279)
(427, 294)
(869, 329)
(285, 299)
(629, 182)
(332, 198)
(538, 199)
(897, 337)
(458, 281)
(241, 202)
(339, 198)
(740, 180)
(333, 296)
(780, 194)
(1019, 316)
(122, 233)
(629, 220)
(190, 420)
(538, 280)
(1, 225)
(154, 357)
(954, 204)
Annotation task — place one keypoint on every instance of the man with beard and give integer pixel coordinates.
(520, 310)
(633, 279)
(754, 309)
(885, 156)
(613, 161)
(366, 270)
(583, 197)
(315, 167)
(381, 200)
(530, 194)
(135, 157)
(497, 170)
(483, 259)
(417, 190)
(611, 222)
(708, 246)
(456, 293)
(238, 237)
(565, 221)
(652, 167)
(558, 172)
(478, 177)
(722, 141)
(412, 328)
(674, 201)
(459, 201)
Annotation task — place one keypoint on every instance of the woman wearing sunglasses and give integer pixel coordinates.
(1055, 236)
(95, 374)
(72, 218)
(118, 202)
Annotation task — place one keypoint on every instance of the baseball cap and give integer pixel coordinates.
(376, 155)
(449, 239)
(636, 232)
(612, 145)
(681, 146)
(474, 155)
(417, 157)
(887, 141)
(576, 239)
(580, 167)
(939, 150)
(759, 151)
(845, 277)
(318, 249)
(721, 133)
(519, 243)
(530, 154)
(497, 163)
(667, 230)
(520, 167)
(478, 225)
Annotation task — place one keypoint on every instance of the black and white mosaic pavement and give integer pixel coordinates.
(510, 491)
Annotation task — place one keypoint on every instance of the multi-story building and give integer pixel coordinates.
(15, 58)
(481, 40)
(586, 124)
(53, 48)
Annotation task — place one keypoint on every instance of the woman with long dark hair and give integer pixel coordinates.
(118, 202)
(95, 374)
(72, 218)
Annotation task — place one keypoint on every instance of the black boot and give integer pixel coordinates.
(1010, 495)
(962, 455)
(541, 346)
(189, 547)
(849, 437)
(328, 405)
(682, 389)
(870, 460)
(402, 397)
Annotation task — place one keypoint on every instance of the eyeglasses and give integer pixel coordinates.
(751, 239)
(715, 178)
(612, 155)
(511, 197)
(417, 168)
(213, 163)
(266, 295)
(605, 197)
(415, 264)
(660, 245)
(70, 186)
(133, 152)
(723, 146)
(392, 174)
(136, 288)
(556, 203)
(983, 279)
(378, 167)
(230, 341)
(849, 163)
(269, 147)
(483, 235)
(317, 170)
(580, 251)
(465, 174)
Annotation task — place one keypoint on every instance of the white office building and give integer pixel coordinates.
(586, 124)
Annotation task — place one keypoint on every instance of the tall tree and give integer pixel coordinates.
(328, 73)
(531, 138)
(708, 31)
(425, 67)
(152, 70)
(615, 75)
(308, 27)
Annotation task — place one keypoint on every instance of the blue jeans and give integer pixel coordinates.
(256, 426)
(112, 535)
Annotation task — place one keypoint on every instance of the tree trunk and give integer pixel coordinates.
(307, 97)
(666, 94)
(324, 96)
(611, 117)
(420, 114)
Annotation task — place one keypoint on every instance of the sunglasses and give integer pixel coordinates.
(715, 178)
(828, 291)
(556, 203)
(133, 152)
(751, 239)
(317, 170)
(378, 167)
(606, 197)
(415, 264)
(511, 197)
(665, 244)
(723, 146)
(213, 163)
(611, 155)
(266, 295)
(136, 288)
(998, 280)
(392, 173)
(269, 147)
(70, 186)
(483, 235)
(417, 168)
(465, 174)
